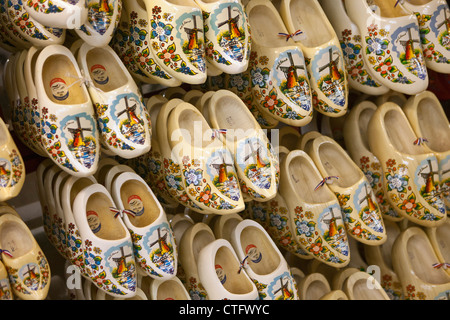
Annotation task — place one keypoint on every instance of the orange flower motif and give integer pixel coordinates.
(205, 196)
(357, 230)
(298, 210)
(316, 248)
(390, 163)
(409, 205)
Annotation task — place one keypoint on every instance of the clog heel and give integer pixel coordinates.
(362, 286)
(313, 287)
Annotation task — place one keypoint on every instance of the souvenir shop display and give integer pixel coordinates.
(225, 150)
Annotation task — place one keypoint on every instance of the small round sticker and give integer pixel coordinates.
(253, 253)
(221, 274)
(99, 74)
(136, 205)
(59, 89)
(93, 221)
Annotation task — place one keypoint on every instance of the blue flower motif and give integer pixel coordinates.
(376, 45)
(193, 177)
(275, 221)
(259, 214)
(160, 30)
(259, 78)
(397, 182)
(172, 182)
(305, 228)
(154, 166)
(292, 115)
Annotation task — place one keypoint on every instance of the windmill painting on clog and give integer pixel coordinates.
(227, 35)
(176, 39)
(102, 20)
(279, 77)
(391, 44)
(434, 24)
(36, 33)
(57, 13)
(359, 75)
(134, 16)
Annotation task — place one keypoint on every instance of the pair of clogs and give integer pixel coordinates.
(24, 269)
(295, 66)
(107, 226)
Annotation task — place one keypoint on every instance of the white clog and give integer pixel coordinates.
(263, 262)
(68, 124)
(10, 32)
(57, 13)
(112, 173)
(108, 248)
(124, 122)
(153, 239)
(391, 44)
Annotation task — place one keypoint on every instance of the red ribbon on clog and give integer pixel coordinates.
(121, 213)
(217, 132)
(420, 141)
(289, 36)
(6, 253)
(322, 183)
(242, 264)
(444, 266)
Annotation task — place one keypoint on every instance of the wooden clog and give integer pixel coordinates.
(362, 286)
(335, 295)
(313, 287)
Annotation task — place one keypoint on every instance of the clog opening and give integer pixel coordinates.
(362, 292)
(170, 290)
(364, 119)
(201, 240)
(191, 125)
(443, 240)
(62, 81)
(316, 290)
(266, 25)
(101, 219)
(104, 69)
(388, 9)
(4, 133)
(136, 197)
(290, 141)
(305, 179)
(76, 188)
(434, 126)
(422, 257)
(263, 258)
(392, 231)
(306, 16)
(179, 228)
(227, 267)
(15, 238)
(230, 115)
(338, 164)
(400, 133)
(228, 227)
(102, 172)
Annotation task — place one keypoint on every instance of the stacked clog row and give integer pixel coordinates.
(24, 269)
(211, 157)
(109, 227)
(70, 105)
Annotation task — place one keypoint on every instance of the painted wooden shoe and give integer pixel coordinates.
(59, 218)
(171, 168)
(360, 210)
(171, 289)
(256, 162)
(207, 170)
(434, 32)
(359, 73)
(223, 226)
(57, 13)
(108, 248)
(102, 296)
(313, 287)
(362, 286)
(37, 34)
(428, 119)
(136, 15)
(278, 70)
(263, 262)
(5, 291)
(227, 35)
(355, 135)
(74, 244)
(391, 45)
(124, 121)
(153, 239)
(314, 213)
(290, 138)
(12, 167)
(193, 241)
(410, 169)
(68, 125)
(392, 96)
(322, 50)
(221, 273)
(102, 21)
(439, 238)
(177, 39)
(381, 256)
(413, 259)
(28, 268)
(14, 36)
